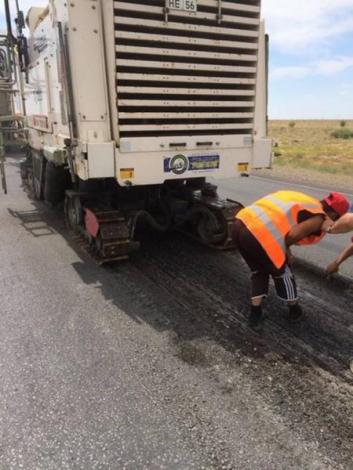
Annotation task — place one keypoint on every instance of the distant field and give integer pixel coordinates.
(309, 144)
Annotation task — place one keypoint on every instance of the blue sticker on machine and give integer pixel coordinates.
(179, 164)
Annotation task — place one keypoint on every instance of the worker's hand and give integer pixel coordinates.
(343, 225)
(332, 268)
(327, 225)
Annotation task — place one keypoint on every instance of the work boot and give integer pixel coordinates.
(256, 317)
(295, 313)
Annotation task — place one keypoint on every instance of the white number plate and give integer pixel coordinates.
(184, 5)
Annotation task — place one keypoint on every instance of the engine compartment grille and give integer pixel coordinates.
(186, 73)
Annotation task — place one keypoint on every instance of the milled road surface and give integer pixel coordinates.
(150, 365)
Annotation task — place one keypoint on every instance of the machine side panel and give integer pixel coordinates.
(47, 96)
(86, 52)
(262, 145)
(45, 102)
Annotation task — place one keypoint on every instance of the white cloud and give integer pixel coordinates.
(333, 66)
(292, 72)
(320, 68)
(301, 26)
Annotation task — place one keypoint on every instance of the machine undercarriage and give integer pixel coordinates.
(104, 216)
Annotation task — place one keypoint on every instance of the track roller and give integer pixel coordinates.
(210, 219)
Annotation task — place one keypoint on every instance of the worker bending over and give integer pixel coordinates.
(343, 225)
(264, 233)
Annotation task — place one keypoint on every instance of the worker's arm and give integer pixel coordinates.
(290, 257)
(304, 229)
(343, 225)
(345, 254)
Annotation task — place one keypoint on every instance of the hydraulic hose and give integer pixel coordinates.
(142, 214)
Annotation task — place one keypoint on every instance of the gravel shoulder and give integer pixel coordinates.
(333, 182)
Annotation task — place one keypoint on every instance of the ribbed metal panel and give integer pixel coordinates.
(186, 73)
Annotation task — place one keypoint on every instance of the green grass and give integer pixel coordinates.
(317, 145)
(342, 134)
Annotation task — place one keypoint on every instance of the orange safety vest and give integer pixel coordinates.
(270, 219)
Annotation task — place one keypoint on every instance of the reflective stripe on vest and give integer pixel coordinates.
(270, 219)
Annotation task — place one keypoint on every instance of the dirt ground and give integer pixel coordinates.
(307, 154)
(310, 145)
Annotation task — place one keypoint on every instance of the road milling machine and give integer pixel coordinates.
(133, 107)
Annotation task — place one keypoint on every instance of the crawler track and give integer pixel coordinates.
(111, 242)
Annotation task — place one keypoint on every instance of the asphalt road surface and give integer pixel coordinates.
(150, 365)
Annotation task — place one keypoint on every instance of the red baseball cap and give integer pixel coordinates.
(338, 203)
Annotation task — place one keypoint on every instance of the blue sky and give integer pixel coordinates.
(311, 70)
(311, 66)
